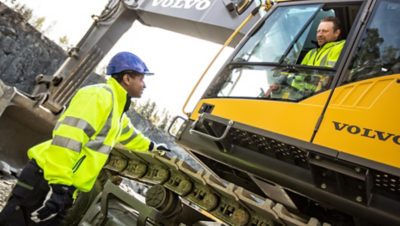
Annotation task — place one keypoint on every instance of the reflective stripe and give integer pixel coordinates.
(78, 123)
(67, 143)
(107, 125)
(324, 59)
(97, 145)
(130, 138)
(25, 185)
(126, 129)
(313, 51)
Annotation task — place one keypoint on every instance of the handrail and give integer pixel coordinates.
(228, 127)
(227, 42)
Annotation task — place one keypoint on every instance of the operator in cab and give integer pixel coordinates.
(329, 49)
(86, 132)
(325, 55)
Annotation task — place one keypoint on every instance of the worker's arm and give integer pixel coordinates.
(307, 59)
(132, 138)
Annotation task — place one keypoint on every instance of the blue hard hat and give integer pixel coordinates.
(126, 61)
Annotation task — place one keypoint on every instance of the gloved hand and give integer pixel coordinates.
(158, 147)
(58, 199)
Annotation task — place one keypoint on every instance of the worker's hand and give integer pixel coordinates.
(58, 199)
(272, 88)
(158, 147)
(275, 86)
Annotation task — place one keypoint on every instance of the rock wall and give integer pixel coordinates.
(25, 52)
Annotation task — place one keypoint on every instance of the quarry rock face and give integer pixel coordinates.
(25, 52)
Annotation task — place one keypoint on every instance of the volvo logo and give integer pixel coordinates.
(183, 4)
(366, 132)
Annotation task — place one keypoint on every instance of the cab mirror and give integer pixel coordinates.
(238, 5)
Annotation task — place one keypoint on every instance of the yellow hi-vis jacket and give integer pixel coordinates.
(325, 56)
(85, 135)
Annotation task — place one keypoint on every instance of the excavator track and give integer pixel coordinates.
(224, 201)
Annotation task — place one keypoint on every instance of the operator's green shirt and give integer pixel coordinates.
(85, 135)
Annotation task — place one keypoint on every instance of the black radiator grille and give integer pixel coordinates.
(386, 184)
(270, 147)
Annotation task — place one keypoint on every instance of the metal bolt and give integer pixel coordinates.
(317, 157)
(323, 186)
(359, 199)
(357, 169)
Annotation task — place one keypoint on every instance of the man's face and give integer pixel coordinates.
(326, 33)
(135, 85)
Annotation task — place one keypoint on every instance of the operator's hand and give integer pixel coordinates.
(275, 86)
(158, 147)
(272, 88)
(58, 199)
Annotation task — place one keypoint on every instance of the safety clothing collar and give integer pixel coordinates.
(120, 92)
(330, 44)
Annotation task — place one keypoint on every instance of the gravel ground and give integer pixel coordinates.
(6, 184)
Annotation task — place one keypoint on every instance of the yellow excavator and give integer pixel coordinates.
(329, 155)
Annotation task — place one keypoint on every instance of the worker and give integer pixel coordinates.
(329, 48)
(326, 55)
(82, 140)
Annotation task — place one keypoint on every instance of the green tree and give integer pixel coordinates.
(164, 121)
(11, 2)
(23, 10)
(149, 110)
(38, 23)
(134, 104)
(64, 42)
(143, 109)
(155, 118)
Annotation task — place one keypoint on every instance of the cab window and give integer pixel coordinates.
(378, 53)
(269, 64)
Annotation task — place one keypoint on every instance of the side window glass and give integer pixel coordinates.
(270, 65)
(307, 40)
(276, 35)
(379, 51)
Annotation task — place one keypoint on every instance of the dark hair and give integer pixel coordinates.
(119, 76)
(334, 20)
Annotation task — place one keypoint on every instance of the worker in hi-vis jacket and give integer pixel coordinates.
(92, 124)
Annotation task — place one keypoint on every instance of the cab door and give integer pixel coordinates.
(362, 118)
(244, 90)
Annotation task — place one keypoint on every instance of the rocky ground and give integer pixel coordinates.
(6, 184)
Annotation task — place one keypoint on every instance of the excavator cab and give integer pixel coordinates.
(326, 141)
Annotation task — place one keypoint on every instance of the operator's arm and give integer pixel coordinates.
(307, 59)
(132, 138)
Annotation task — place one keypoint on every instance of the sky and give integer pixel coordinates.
(177, 60)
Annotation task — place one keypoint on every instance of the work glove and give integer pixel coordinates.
(58, 199)
(153, 147)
